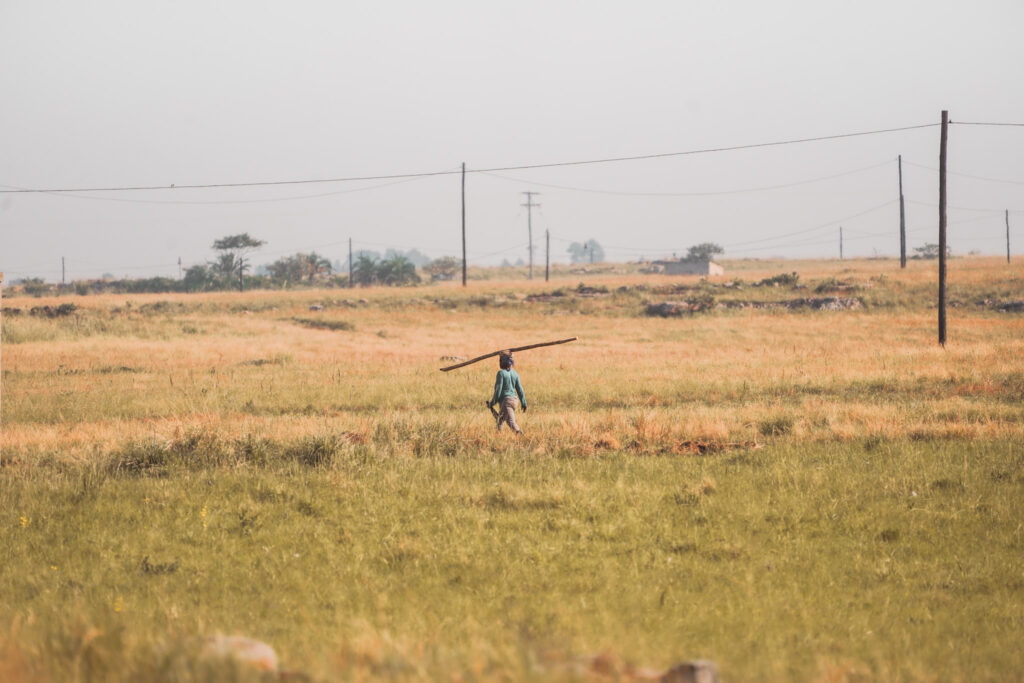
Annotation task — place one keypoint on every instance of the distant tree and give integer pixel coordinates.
(587, 252)
(930, 251)
(315, 265)
(233, 257)
(364, 270)
(34, 286)
(444, 268)
(199, 278)
(397, 270)
(705, 251)
(415, 256)
(288, 269)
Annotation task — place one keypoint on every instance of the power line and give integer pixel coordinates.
(69, 193)
(967, 175)
(693, 194)
(397, 176)
(982, 123)
(818, 227)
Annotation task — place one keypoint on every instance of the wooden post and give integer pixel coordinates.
(514, 348)
(1, 365)
(942, 227)
(351, 279)
(903, 220)
(463, 223)
(547, 254)
(529, 223)
(840, 243)
(1007, 235)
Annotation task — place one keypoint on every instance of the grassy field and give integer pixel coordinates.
(794, 493)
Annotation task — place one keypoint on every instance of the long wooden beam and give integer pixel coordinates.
(516, 348)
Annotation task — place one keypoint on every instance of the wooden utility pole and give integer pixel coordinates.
(1007, 235)
(942, 227)
(547, 253)
(62, 271)
(529, 223)
(903, 220)
(840, 243)
(1, 365)
(463, 223)
(351, 279)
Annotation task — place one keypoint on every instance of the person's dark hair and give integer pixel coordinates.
(505, 361)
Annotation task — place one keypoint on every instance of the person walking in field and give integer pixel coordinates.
(508, 393)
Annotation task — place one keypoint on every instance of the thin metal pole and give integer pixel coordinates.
(942, 227)
(463, 224)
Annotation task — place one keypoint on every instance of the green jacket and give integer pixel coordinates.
(507, 384)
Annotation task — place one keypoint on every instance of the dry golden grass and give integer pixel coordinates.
(236, 363)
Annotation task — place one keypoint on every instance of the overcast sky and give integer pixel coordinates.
(107, 94)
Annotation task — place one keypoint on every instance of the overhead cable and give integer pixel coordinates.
(396, 176)
(692, 194)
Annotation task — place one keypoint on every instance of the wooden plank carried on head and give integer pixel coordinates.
(513, 349)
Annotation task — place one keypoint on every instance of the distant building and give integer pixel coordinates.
(688, 267)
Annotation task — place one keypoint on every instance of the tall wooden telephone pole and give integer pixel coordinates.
(529, 223)
(547, 252)
(944, 136)
(1007, 235)
(463, 224)
(903, 220)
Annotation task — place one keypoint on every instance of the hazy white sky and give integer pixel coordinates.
(115, 94)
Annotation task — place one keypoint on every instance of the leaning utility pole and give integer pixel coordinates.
(463, 223)
(942, 226)
(529, 223)
(903, 220)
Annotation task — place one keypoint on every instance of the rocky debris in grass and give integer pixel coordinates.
(316, 307)
(246, 651)
(584, 290)
(320, 324)
(699, 447)
(607, 666)
(828, 303)
(546, 297)
(670, 309)
(53, 311)
(1016, 306)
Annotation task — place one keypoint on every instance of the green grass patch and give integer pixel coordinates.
(792, 562)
